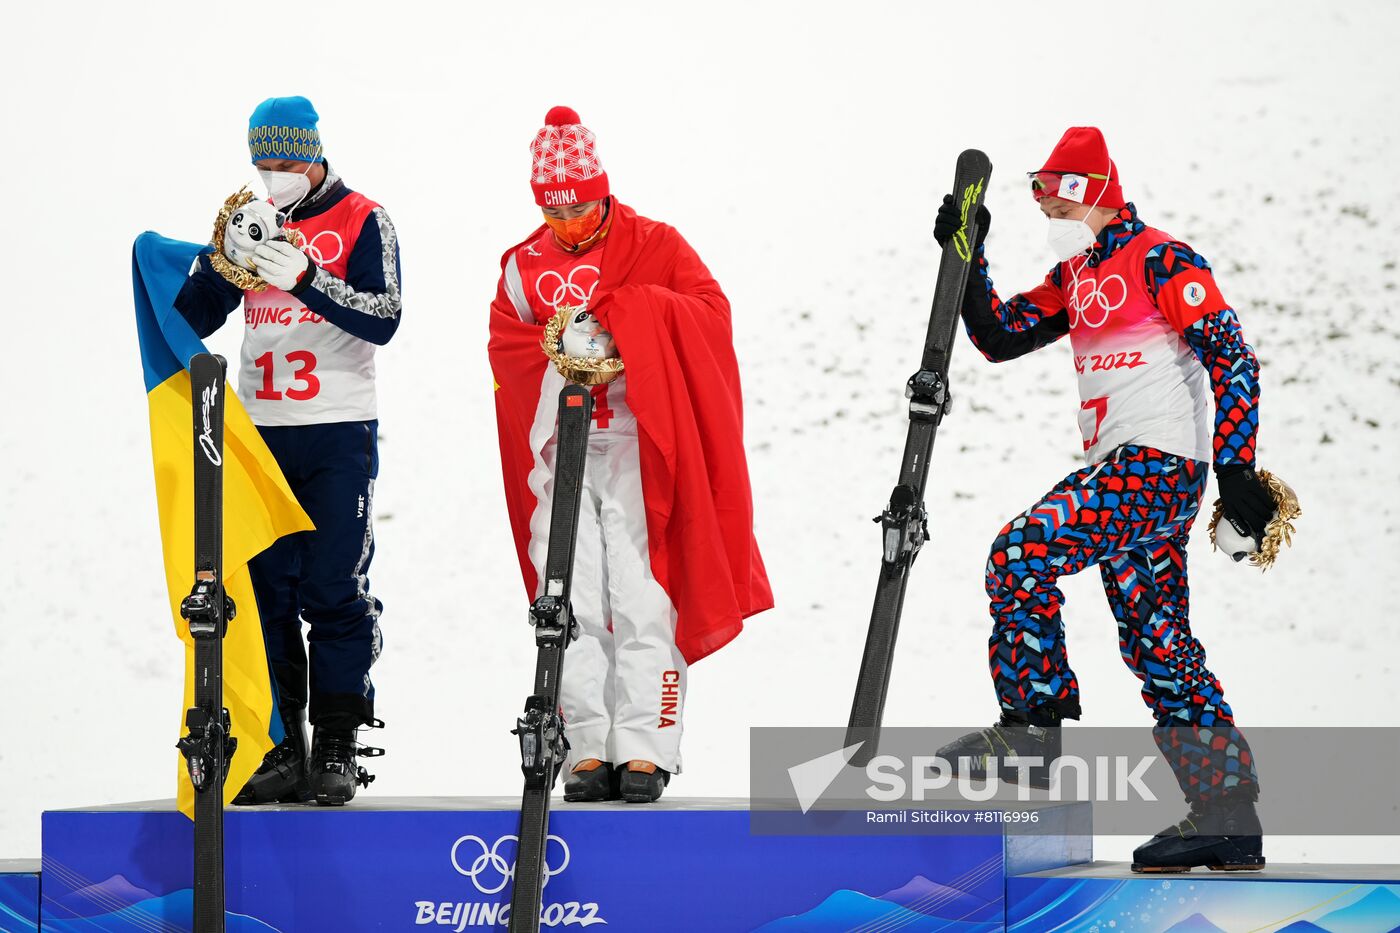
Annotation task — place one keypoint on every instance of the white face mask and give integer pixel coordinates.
(285, 189)
(1069, 238)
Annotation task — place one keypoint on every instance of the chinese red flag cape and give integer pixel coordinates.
(671, 324)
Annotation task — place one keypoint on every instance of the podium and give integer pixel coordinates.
(19, 895)
(386, 863)
(1103, 897)
(444, 864)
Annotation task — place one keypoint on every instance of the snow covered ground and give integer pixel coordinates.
(802, 149)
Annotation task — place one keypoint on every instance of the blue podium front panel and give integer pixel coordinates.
(445, 864)
(19, 895)
(1108, 898)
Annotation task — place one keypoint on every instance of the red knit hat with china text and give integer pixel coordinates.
(1083, 152)
(566, 167)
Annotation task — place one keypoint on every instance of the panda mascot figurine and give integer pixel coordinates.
(585, 339)
(248, 227)
(1261, 550)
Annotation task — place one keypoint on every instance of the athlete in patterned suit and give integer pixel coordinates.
(1153, 339)
(306, 378)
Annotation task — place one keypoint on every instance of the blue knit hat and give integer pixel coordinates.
(285, 128)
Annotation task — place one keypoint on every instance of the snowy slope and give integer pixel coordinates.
(802, 149)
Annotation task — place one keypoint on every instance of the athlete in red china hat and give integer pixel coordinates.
(666, 566)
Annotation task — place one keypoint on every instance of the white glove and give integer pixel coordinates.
(280, 264)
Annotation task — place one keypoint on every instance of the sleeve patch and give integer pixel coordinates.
(1190, 295)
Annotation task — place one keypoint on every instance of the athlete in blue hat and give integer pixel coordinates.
(306, 377)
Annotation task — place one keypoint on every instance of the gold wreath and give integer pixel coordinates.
(584, 371)
(1280, 529)
(238, 276)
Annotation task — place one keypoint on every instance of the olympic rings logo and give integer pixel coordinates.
(318, 254)
(1091, 294)
(491, 861)
(566, 290)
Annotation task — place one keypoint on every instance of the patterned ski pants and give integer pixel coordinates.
(1130, 514)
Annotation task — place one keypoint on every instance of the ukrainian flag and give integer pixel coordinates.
(259, 507)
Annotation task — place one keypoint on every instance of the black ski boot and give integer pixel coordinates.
(334, 771)
(1034, 733)
(592, 780)
(1222, 834)
(642, 781)
(281, 778)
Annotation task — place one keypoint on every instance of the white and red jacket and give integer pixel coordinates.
(1153, 338)
(539, 277)
(308, 354)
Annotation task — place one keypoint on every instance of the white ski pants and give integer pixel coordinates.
(623, 690)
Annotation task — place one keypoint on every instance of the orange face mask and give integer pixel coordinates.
(577, 231)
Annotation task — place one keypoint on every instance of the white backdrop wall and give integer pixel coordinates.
(802, 149)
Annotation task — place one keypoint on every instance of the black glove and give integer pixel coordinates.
(950, 219)
(1247, 504)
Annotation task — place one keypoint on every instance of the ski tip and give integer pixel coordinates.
(573, 397)
(206, 360)
(974, 161)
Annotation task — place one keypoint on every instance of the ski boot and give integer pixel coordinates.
(642, 781)
(1024, 734)
(334, 772)
(1222, 834)
(281, 778)
(592, 780)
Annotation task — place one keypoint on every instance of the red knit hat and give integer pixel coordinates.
(1085, 173)
(566, 167)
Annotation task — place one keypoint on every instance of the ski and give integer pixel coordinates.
(904, 523)
(541, 730)
(207, 745)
